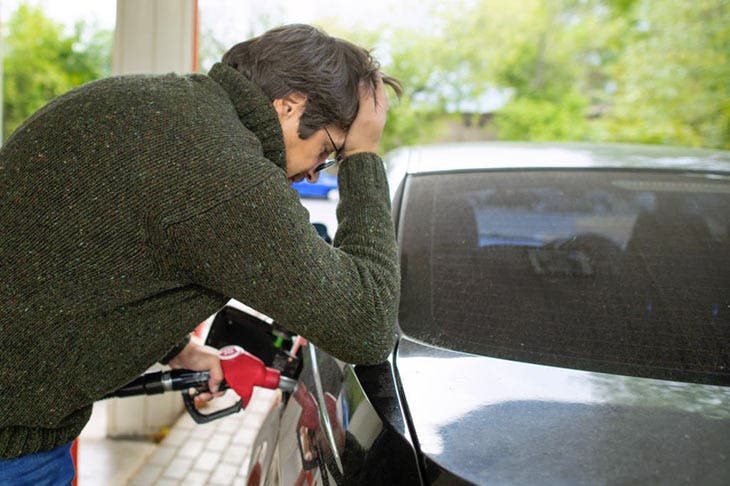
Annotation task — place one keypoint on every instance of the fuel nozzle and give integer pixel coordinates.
(242, 371)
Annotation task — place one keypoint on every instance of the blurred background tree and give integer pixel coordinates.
(581, 70)
(673, 76)
(41, 61)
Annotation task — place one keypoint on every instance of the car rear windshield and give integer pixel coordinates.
(611, 271)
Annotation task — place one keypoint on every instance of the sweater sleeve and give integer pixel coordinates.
(177, 349)
(259, 247)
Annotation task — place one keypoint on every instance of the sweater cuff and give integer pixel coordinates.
(175, 350)
(361, 174)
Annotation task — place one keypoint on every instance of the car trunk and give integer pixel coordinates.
(492, 421)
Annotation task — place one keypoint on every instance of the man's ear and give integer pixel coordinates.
(290, 105)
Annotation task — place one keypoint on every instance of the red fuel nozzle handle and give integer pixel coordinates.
(241, 371)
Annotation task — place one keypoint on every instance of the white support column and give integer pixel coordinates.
(151, 37)
(155, 36)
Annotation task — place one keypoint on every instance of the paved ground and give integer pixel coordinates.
(104, 461)
(217, 453)
(192, 454)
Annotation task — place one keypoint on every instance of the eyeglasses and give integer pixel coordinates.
(338, 154)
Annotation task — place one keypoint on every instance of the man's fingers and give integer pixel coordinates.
(213, 365)
(381, 97)
(206, 397)
(377, 94)
(198, 357)
(367, 128)
(216, 376)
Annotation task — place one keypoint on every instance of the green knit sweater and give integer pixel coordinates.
(133, 207)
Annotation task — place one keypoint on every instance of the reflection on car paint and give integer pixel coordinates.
(512, 410)
(328, 414)
(263, 447)
(306, 455)
(309, 428)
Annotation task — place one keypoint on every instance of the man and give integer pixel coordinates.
(133, 207)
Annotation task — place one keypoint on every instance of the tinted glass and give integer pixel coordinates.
(625, 272)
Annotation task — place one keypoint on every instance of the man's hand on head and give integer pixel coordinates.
(367, 129)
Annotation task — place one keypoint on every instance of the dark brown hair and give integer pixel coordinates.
(301, 58)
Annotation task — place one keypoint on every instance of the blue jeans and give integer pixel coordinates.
(52, 467)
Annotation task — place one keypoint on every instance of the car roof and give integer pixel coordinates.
(533, 155)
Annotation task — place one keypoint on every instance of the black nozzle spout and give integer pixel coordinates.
(162, 381)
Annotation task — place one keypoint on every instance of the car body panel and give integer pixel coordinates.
(505, 422)
(331, 433)
(522, 155)
(431, 415)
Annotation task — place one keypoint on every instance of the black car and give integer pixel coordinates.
(564, 319)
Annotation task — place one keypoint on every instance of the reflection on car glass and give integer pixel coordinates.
(539, 216)
(570, 269)
(685, 186)
(560, 262)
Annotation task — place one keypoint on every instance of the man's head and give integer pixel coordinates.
(313, 81)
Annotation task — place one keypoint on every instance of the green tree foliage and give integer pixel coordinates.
(603, 70)
(551, 55)
(417, 116)
(41, 62)
(593, 70)
(527, 118)
(673, 79)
